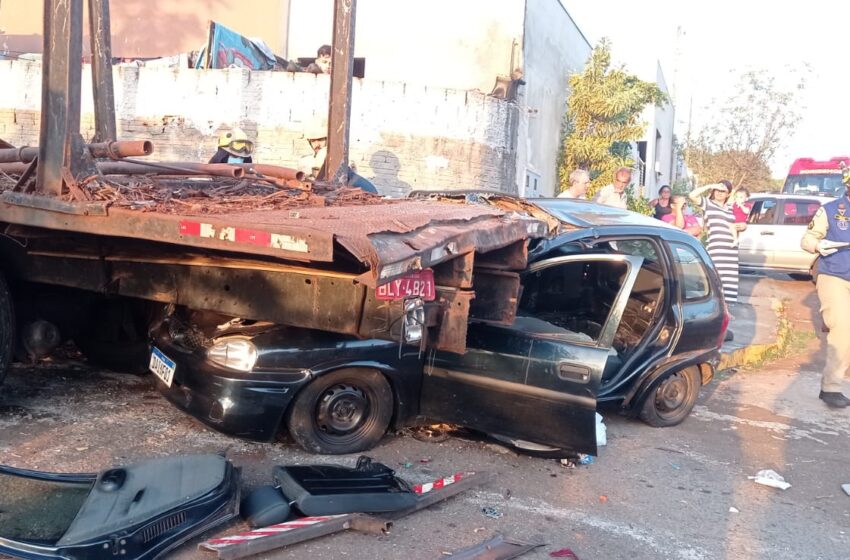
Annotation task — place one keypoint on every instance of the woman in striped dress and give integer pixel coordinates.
(719, 223)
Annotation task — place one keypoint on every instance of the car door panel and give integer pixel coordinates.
(794, 219)
(756, 243)
(533, 380)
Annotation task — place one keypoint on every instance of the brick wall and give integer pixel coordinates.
(402, 137)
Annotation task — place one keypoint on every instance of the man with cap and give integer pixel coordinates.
(829, 235)
(234, 147)
(313, 165)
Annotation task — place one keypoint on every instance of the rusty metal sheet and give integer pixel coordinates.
(215, 232)
(496, 296)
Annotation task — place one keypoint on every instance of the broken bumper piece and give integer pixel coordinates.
(140, 511)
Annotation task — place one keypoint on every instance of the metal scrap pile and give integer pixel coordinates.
(216, 195)
(178, 187)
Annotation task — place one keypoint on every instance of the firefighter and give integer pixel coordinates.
(830, 226)
(234, 147)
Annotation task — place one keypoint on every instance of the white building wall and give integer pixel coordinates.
(462, 44)
(553, 48)
(403, 137)
(658, 135)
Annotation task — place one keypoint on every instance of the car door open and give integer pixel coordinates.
(538, 378)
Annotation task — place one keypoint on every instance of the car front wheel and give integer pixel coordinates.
(346, 411)
(673, 399)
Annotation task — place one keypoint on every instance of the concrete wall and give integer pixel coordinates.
(153, 28)
(461, 44)
(553, 48)
(402, 136)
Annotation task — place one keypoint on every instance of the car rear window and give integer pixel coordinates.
(799, 212)
(691, 270)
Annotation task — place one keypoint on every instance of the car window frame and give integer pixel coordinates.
(606, 337)
(679, 280)
(798, 201)
(753, 214)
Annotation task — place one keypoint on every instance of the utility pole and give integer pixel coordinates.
(339, 115)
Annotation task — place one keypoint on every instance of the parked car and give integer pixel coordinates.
(774, 229)
(619, 308)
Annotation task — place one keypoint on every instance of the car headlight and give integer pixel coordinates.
(234, 353)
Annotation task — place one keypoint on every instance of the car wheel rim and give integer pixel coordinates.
(342, 410)
(672, 394)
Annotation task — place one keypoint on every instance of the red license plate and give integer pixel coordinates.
(416, 284)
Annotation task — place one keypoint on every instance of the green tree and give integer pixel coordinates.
(603, 118)
(744, 132)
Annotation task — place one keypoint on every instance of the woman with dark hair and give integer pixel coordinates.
(661, 205)
(719, 223)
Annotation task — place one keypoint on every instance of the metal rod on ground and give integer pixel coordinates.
(101, 71)
(286, 534)
(339, 117)
(60, 92)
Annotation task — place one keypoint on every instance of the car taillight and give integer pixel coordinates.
(723, 326)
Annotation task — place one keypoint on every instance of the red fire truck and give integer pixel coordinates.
(809, 176)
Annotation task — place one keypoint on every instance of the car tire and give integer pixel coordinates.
(7, 327)
(345, 411)
(672, 399)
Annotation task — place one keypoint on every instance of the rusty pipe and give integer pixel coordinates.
(170, 168)
(121, 149)
(114, 150)
(275, 171)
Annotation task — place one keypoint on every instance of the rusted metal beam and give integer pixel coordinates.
(60, 93)
(342, 65)
(101, 71)
(170, 168)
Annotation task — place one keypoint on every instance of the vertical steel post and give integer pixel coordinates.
(342, 65)
(60, 92)
(101, 71)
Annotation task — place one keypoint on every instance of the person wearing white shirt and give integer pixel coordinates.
(615, 193)
(579, 181)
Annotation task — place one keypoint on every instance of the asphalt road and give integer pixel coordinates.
(678, 493)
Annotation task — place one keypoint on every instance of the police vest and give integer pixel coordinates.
(838, 214)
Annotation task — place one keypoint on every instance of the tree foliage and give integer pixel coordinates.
(603, 117)
(745, 131)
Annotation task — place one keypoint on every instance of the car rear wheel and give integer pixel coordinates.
(7, 327)
(673, 399)
(346, 411)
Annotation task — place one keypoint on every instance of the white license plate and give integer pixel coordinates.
(162, 366)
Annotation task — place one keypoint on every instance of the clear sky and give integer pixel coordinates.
(722, 37)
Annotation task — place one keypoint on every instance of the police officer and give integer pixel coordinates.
(829, 227)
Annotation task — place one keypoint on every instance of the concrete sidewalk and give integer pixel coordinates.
(760, 325)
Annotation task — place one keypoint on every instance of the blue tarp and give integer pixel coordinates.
(230, 49)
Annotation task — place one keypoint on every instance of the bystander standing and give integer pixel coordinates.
(615, 193)
(579, 181)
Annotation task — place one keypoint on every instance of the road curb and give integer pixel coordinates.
(757, 353)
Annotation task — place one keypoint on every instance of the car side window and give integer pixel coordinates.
(690, 268)
(798, 212)
(763, 212)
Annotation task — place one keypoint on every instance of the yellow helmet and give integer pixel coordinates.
(236, 142)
